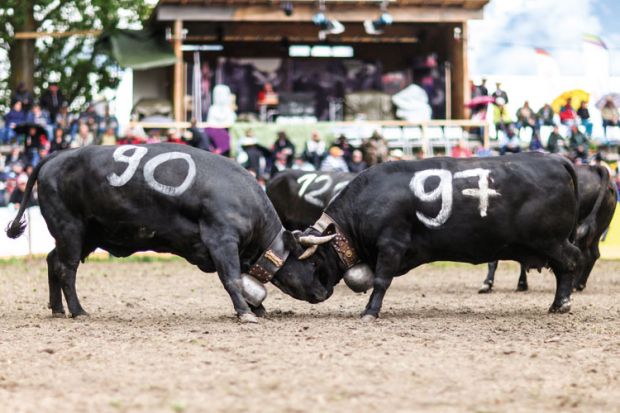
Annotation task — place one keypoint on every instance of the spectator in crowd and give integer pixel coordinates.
(315, 150)
(66, 120)
(509, 142)
(108, 137)
(279, 163)
(584, 117)
(52, 100)
(84, 137)
(154, 136)
(357, 164)
(481, 152)
(40, 117)
(526, 118)
(253, 156)
(545, 116)
(460, 150)
(107, 121)
(90, 118)
(18, 193)
(285, 146)
(16, 156)
(334, 162)
(502, 120)
(14, 118)
(134, 133)
(481, 89)
(175, 137)
(59, 141)
(197, 138)
(33, 142)
(610, 114)
(577, 138)
(556, 143)
(22, 95)
(500, 96)
(568, 116)
(375, 149)
(343, 143)
(535, 144)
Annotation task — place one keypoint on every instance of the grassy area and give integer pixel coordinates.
(98, 257)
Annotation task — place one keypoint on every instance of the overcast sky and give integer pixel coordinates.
(503, 43)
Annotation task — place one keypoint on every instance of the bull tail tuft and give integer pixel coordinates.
(18, 225)
(16, 228)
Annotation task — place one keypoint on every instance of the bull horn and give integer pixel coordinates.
(308, 252)
(310, 240)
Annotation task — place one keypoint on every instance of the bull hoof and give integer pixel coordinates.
(485, 289)
(81, 314)
(259, 311)
(59, 314)
(561, 308)
(521, 288)
(369, 318)
(248, 318)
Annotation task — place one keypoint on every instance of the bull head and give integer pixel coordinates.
(312, 242)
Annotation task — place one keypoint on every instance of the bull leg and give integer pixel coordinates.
(55, 288)
(384, 273)
(522, 284)
(259, 311)
(68, 270)
(565, 265)
(487, 285)
(224, 252)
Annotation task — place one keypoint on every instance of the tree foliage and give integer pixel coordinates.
(74, 62)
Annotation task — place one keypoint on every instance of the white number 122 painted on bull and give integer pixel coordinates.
(133, 162)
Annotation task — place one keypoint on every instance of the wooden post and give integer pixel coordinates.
(448, 81)
(177, 88)
(457, 51)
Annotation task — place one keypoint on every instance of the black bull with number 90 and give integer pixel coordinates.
(165, 198)
(399, 215)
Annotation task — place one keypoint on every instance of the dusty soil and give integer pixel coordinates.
(162, 337)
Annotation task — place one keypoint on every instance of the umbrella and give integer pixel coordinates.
(615, 97)
(480, 100)
(24, 128)
(577, 96)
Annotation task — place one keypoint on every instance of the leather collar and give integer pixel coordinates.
(270, 261)
(341, 243)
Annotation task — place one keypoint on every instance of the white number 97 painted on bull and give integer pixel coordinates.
(444, 192)
(133, 161)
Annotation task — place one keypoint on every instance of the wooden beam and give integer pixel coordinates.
(38, 35)
(177, 87)
(304, 12)
(305, 39)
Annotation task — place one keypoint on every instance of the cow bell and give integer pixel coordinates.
(253, 291)
(359, 278)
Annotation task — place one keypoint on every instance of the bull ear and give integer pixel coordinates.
(290, 240)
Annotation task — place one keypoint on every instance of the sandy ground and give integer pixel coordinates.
(162, 337)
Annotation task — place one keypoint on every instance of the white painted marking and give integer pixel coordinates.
(305, 181)
(337, 190)
(152, 164)
(132, 163)
(483, 192)
(311, 196)
(443, 191)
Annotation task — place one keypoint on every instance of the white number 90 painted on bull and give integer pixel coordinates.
(133, 161)
(444, 192)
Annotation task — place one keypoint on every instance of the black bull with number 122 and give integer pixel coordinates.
(399, 215)
(165, 198)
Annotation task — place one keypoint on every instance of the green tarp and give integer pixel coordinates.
(138, 49)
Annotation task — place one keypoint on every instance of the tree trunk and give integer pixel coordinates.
(21, 53)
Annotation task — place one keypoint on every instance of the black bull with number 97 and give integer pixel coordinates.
(165, 198)
(399, 215)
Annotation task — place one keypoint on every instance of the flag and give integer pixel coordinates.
(594, 40)
(541, 52)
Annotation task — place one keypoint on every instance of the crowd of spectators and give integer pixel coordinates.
(34, 129)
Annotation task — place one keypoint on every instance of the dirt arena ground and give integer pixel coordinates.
(162, 338)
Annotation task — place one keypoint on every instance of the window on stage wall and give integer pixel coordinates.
(304, 50)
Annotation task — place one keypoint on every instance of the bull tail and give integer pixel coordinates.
(587, 226)
(573, 174)
(16, 227)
